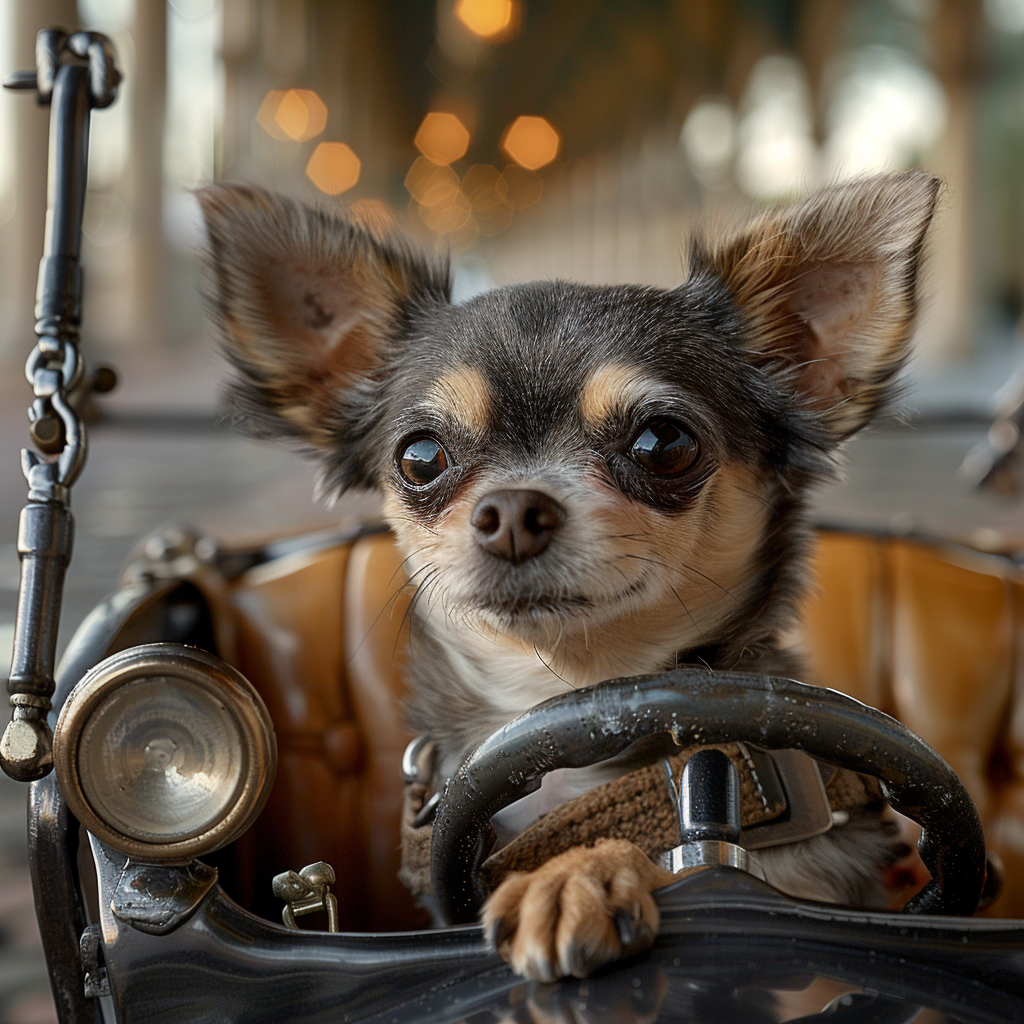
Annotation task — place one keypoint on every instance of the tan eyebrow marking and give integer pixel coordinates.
(611, 387)
(463, 395)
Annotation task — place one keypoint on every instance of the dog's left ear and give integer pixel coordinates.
(310, 308)
(828, 289)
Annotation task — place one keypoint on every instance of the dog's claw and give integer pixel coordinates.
(626, 925)
(642, 939)
(496, 933)
(539, 968)
(581, 960)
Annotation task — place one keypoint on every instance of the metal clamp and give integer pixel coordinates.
(94, 973)
(419, 763)
(74, 74)
(306, 892)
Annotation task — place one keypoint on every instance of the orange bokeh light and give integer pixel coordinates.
(520, 187)
(487, 18)
(442, 138)
(333, 168)
(482, 186)
(265, 115)
(431, 185)
(297, 114)
(531, 142)
(446, 218)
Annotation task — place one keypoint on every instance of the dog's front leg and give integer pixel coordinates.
(579, 911)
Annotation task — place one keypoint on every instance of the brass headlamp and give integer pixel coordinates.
(165, 752)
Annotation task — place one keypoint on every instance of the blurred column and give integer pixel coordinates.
(238, 23)
(148, 266)
(22, 236)
(819, 33)
(956, 41)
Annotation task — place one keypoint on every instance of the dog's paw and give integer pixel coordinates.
(581, 910)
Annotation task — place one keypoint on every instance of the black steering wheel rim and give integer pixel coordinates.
(697, 706)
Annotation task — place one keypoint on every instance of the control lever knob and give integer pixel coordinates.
(709, 817)
(709, 798)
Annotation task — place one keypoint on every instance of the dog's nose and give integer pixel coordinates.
(516, 524)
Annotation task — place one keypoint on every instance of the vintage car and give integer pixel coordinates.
(272, 672)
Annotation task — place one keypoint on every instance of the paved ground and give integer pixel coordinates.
(139, 477)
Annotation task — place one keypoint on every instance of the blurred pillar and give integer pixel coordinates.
(238, 25)
(22, 236)
(819, 33)
(956, 42)
(148, 266)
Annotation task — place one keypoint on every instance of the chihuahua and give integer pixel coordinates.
(585, 482)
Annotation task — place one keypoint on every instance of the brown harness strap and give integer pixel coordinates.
(637, 807)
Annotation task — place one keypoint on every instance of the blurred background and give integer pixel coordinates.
(532, 138)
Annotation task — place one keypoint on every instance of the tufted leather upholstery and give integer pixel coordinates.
(932, 635)
(319, 635)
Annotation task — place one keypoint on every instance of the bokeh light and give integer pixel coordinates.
(709, 138)
(776, 154)
(520, 187)
(486, 191)
(531, 142)
(487, 18)
(442, 138)
(431, 184)
(297, 114)
(301, 114)
(266, 115)
(1006, 15)
(448, 218)
(886, 111)
(333, 168)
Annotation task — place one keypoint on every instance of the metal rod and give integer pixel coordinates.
(59, 290)
(75, 75)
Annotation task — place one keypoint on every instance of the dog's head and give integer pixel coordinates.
(562, 461)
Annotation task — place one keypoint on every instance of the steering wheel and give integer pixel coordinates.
(694, 706)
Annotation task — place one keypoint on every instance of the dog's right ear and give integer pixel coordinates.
(828, 290)
(310, 309)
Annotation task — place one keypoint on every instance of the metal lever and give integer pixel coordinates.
(709, 805)
(709, 815)
(74, 74)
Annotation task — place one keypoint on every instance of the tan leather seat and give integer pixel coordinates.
(930, 635)
(320, 636)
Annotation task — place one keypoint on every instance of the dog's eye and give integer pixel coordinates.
(664, 447)
(423, 461)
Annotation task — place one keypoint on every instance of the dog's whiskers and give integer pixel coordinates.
(540, 658)
(700, 632)
(418, 595)
(389, 606)
(401, 565)
(686, 567)
(414, 522)
(757, 497)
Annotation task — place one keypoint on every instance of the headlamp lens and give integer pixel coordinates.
(161, 759)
